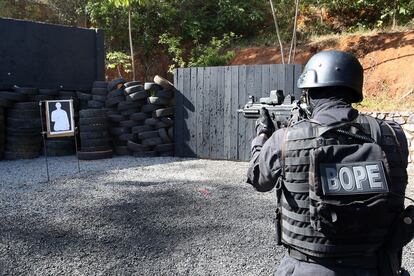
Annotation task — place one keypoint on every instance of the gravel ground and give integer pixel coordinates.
(159, 216)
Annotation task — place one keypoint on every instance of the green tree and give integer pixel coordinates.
(119, 61)
(69, 12)
(127, 4)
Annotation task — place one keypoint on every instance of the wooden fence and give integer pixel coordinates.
(207, 124)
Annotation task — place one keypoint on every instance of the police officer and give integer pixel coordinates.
(339, 176)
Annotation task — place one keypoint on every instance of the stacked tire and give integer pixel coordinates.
(155, 137)
(95, 140)
(46, 94)
(60, 146)
(83, 98)
(6, 101)
(10, 95)
(23, 132)
(98, 95)
(2, 132)
(122, 113)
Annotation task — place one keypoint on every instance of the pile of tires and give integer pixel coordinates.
(47, 94)
(155, 134)
(95, 140)
(83, 98)
(98, 95)
(122, 113)
(2, 132)
(5, 102)
(60, 146)
(23, 131)
(11, 95)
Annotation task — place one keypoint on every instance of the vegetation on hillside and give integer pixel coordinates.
(197, 32)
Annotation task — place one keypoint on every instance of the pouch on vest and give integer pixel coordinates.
(349, 190)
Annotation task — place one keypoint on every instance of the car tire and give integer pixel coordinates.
(149, 108)
(99, 91)
(139, 129)
(122, 150)
(110, 102)
(95, 155)
(164, 135)
(116, 93)
(158, 101)
(135, 147)
(87, 113)
(137, 96)
(96, 104)
(49, 92)
(100, 84)
(139, 116)
(116, 84)
(117, 118)
(168, 94)
(134, 89)
(164, 147)
(27, 90)
(128, 123)
(99, 98)
(171, 133)
(145, 154)
(163, 82)
(148, 134)
(117, 131)
(163, 112)
(93, 135)
(152, 141)
(13, 96)
(93, 121)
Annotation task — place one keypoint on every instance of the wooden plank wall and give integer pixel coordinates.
(207, 124)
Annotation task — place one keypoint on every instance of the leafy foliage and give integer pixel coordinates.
(211, 54)
(119, 61)
(194, 32)
(348, 15)
(174, 48)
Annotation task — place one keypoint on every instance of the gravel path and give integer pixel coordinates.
(159, 216)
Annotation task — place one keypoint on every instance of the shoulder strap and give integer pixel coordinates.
(374, 127)
(397, 143)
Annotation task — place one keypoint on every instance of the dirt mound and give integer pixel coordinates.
(387, 58)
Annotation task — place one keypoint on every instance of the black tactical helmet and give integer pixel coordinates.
(333, 68)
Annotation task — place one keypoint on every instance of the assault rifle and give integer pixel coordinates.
(281, 108)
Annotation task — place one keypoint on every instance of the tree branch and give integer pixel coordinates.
(293, 41)
(277, 32)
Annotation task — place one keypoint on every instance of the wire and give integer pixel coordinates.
(357, 136)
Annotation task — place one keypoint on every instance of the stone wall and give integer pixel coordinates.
(406, 120)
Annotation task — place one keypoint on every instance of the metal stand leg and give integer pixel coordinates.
(43, 133)
(76, 148)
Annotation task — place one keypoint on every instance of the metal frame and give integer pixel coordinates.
(45, 133)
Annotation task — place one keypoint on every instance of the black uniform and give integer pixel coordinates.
(315, 246)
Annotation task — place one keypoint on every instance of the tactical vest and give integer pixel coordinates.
(341, 187)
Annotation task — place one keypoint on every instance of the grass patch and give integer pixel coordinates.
(383, 103)
(269, 39)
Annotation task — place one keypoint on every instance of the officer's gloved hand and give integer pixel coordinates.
(264, 124)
